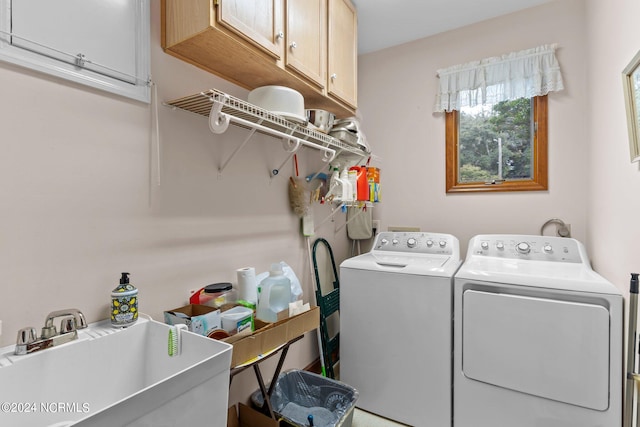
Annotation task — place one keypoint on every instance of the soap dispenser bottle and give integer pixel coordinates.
(124, 303)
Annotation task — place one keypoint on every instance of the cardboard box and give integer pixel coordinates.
(244, 416)
(200, 319)
(269, 336)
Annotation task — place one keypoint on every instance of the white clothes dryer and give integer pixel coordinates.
(396, 326)
(538, 336)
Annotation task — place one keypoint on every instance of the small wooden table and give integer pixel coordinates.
(266, 394)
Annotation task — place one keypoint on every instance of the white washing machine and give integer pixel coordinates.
(538, 336)
(396, 326)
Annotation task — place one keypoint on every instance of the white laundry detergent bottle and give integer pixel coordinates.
(347, 189)
(274, 294)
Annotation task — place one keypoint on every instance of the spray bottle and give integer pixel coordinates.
(335, 185)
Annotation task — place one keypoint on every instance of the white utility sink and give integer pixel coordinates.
(117, 377)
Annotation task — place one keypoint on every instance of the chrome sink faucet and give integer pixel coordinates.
(71, 320)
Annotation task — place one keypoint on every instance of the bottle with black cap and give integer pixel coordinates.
(124, 303)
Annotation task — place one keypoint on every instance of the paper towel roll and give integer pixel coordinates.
(247, 286)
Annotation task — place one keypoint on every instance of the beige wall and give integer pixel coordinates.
(80, 201)
(613, 182)
(397, 91)
(592, 185)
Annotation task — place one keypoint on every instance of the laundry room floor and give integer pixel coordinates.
(366, 419)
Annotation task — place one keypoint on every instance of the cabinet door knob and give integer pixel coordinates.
(280, 35)
(334, 76)
(293, 45)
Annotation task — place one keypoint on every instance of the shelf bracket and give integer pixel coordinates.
(236, 151)
(362, 210)
(331, 215)
(291, 146)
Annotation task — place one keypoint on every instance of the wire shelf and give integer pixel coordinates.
(201, 103)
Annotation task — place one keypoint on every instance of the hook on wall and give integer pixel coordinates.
(562, 229)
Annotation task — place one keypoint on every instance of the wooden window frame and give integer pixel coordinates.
(539, 181)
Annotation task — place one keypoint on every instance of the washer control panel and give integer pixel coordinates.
(535, 248)
(416, 242)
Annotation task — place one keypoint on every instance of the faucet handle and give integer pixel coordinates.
(26, 336)
(67, 324)
(81, 321)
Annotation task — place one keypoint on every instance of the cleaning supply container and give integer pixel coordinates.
(216, 295)
(237, 319)
(299, 395)
(274, 294)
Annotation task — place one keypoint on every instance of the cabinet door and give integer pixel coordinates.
(258, 21)
(343, 51)
(306, 39)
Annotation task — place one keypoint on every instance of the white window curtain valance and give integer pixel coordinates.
(524, 74)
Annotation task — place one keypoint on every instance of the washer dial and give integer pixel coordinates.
(523, 248)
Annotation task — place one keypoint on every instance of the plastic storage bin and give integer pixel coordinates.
(298, 394)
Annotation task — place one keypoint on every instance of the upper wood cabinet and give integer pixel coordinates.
(259, 21)
(343, 51)
(306, 35)
(255, 43)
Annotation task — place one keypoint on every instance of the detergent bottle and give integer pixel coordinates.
(347, 190)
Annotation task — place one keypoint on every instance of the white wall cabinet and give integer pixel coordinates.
(101, 44)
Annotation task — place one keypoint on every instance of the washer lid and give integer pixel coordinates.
(427, 265)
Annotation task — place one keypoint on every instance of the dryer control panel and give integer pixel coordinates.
(525, 247)
(416, 242)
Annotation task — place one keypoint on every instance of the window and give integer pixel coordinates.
(496, 121)
(502, 147)
(101, 44)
